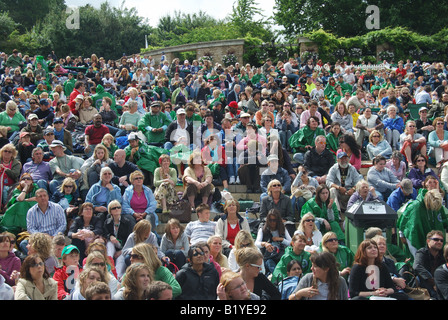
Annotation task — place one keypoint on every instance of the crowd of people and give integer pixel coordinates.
(92, 151)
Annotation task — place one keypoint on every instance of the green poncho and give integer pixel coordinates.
(304, 137)
(280, 269)
(15, 215)
(147, 157)
(321, 212)
(416, 221)
(154, 121)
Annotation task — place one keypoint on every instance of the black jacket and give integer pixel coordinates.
(124, 230)
(195, 286)
(318, 164)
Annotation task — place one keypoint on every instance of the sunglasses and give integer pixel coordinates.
(136, 256)
(332, 240)
(309, 220)
(198, 253)
(99, 264)
(7, 151)
(35, 265)
(436, 239)
(276, 185)
(421, 160)
(115, 208)
(256, 266)
(375, 136)
(138, 178)
(68, 186)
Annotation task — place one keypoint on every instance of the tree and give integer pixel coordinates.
(347, 18)
(243, 19)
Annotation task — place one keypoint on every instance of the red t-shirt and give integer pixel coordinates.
(231, 233)
(96, 134)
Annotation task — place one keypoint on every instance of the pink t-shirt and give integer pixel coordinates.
(139, 203)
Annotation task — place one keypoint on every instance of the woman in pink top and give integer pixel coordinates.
(312, 111)
(347, 143)
(252, 134)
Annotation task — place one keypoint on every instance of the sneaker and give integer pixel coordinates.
(232, 180)
(237, 181)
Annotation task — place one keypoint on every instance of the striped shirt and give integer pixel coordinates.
(200, 231)
(50, 222)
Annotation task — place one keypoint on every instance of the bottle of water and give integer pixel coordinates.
(247, 214)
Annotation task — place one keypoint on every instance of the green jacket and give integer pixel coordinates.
(416, 221)
(303, 137)
(322, 212)
(69, 85)
(147, 157)
(15, 215)
(333, 142)
(344, 257)
(280, 269)
(13, 123)
(150, 121)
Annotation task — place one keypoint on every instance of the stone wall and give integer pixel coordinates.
(217, 49)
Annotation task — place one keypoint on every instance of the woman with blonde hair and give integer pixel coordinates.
(307, 227)
(412, 143)
(146, 253)
(93, 165)
(41, 243)
(250, 261)
(9, 168)
(229, 224)
(98, 259)
(233, 287)
(243, 239)
(377, 146)
(215, 244)
(135, 285)
(343, 254)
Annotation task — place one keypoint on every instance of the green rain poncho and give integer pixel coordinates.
(304, 137)
(147, 157)
(280, 269)
(322, 212)
(154, 121)
(15, 215)
(416, 221)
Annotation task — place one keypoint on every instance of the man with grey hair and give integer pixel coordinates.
(402, 195)
(319, 160)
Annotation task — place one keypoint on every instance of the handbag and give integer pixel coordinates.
(416, 293)
(180, 210)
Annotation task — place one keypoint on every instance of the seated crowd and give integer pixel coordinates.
(92, 151)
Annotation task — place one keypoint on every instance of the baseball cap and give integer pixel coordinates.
(58, 120)
(68, 249)
(244, 115)
(133, 136)
(48, 130)
(57, 143)
(422, 108)
(44, 102)
(32, 116)
(233, 104)
(24, 133)
(80, 96)
(342, 154)
(180, 111)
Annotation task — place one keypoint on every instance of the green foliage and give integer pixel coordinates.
(347, 18)
(405, 44)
